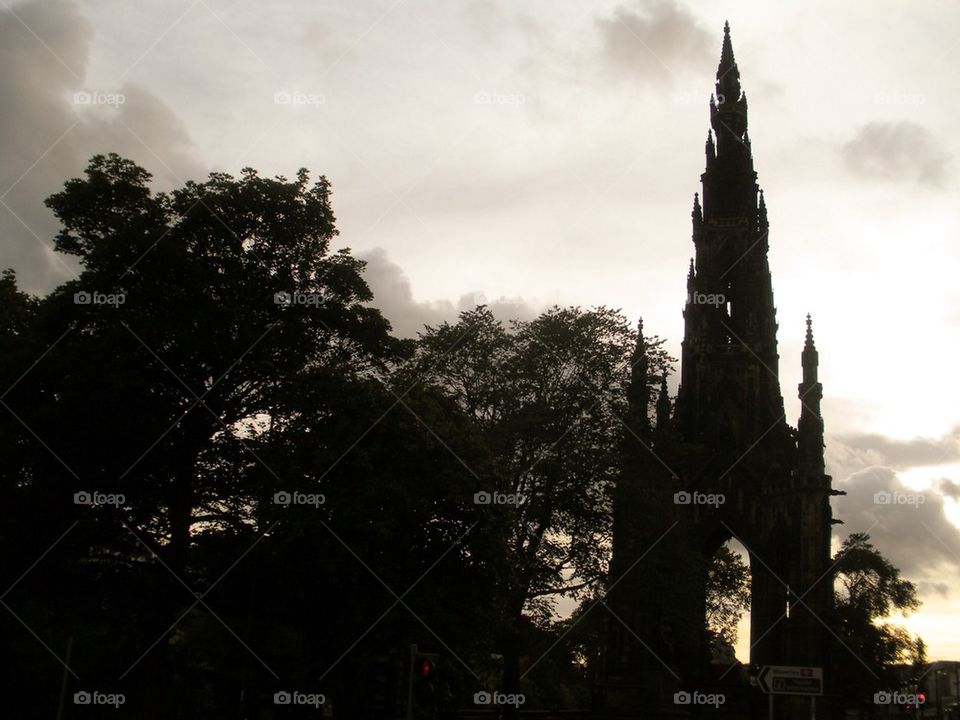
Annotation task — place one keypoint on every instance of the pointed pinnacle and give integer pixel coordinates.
(726, 51)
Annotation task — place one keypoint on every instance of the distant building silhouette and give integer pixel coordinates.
(722, 463)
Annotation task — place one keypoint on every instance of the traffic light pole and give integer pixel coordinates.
(413, 662)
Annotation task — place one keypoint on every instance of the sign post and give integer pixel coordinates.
(791, 680)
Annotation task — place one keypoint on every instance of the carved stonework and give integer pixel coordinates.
(727, 437)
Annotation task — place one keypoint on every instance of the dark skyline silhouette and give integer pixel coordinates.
(205, 391)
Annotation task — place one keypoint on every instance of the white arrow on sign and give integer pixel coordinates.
(790, 680)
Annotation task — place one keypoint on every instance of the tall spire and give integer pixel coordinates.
(809, 358)
(763, 224)
(728, 76)
(732, 269)
(663, 406)
(728, 110)
(638, 392)
(810, 425)
(726, 53)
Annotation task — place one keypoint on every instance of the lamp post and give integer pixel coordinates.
(956, 686)
(938, 674)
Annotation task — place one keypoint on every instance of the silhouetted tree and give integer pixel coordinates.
(154, 375)
(728, 593)
(868, 589)
(547, 397)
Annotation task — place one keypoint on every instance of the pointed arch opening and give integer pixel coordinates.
(727, 607)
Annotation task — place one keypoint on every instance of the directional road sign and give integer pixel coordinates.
(790, 680)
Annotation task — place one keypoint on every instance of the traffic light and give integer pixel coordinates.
(426, 666)
(423, 698)
(917, 697)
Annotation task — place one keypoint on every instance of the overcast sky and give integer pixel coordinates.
(526, 154)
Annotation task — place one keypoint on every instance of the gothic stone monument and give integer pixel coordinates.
(726, 435)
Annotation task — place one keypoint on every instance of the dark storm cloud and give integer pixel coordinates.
(908, 526)
(53, 121)
(36, 85)
(899, 151)
(653, 39)
(907, 453)
(394, 297)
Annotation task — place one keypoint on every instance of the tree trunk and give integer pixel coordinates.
(511, 655)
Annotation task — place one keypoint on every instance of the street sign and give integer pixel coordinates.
(789, 680)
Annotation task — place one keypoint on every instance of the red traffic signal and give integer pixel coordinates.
(425, 667)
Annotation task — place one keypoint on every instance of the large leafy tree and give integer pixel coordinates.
(868, 589)
(392, 556)
(156, 375)
(192, 357)
(547, 397)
